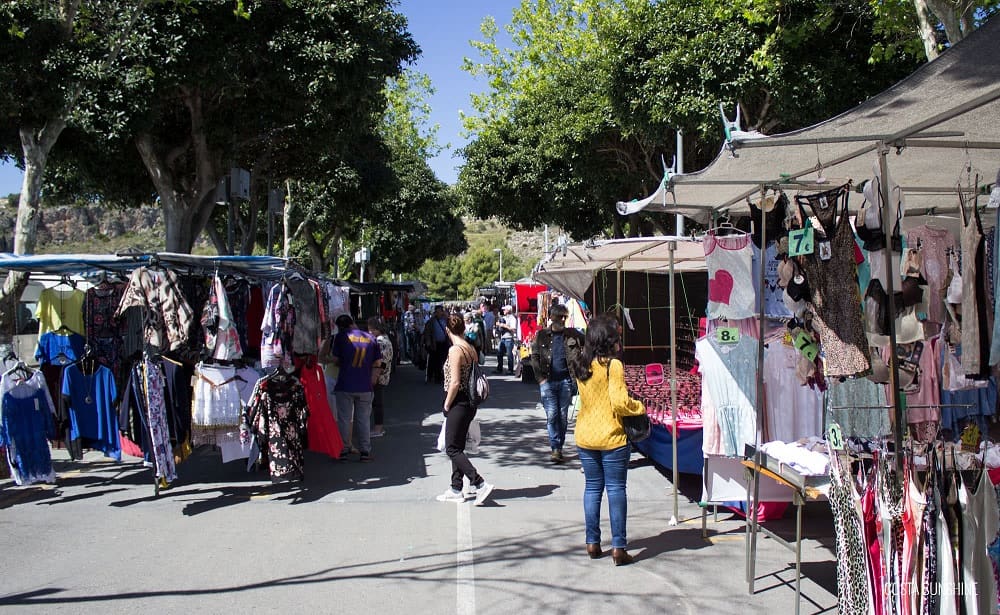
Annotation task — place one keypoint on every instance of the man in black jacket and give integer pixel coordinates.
(551, 353)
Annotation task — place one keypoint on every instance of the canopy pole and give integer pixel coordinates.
(887, 216)
(671, 247)
(752, 506)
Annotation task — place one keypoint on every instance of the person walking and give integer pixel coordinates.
(359, 358)
(376, 328)
(458, 413)
(551, 354)
(436, 342)
(600, 439)
(507, 326)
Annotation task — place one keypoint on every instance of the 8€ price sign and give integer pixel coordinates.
(727, 335)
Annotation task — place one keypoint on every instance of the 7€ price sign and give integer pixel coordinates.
(801, 241)
(806, 345)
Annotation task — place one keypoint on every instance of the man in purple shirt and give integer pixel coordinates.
(360, 361)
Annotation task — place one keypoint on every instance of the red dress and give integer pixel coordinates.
(324, 436)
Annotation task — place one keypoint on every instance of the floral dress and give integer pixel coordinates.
(278, 416)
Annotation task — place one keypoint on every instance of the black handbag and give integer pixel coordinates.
(637, 426)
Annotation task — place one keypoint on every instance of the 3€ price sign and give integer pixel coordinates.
(801, 241)
(727, 335)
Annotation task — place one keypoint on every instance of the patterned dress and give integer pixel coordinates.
(278, 416)
(833, 282)
(853, 582)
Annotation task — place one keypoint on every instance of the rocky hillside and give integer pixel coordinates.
(99, 230)
(89, 230)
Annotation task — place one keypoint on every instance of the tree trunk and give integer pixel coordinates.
(925, 27)
(946, 12)
(184, 215)
(35, 146)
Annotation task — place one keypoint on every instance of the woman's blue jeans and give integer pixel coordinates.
(605, 470)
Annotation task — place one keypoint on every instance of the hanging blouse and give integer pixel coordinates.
(60, 308)
(26, 424)
(222, 339)
(167, 315)
(277, 328)
(934, 244)
(104, 332)
(831, 272)
(217, 400)
(774, 294)
(92, 416)
(238, 296)
(794, 410)
(730, 273)
(310, 316)
(278, 417)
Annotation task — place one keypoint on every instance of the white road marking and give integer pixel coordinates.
(465, 563)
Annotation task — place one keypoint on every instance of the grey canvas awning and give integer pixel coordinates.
(938, 122)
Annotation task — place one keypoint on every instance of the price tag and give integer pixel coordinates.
(727, 335)
(800, 241)
(825, 250)
(806, 345)
(835, 437)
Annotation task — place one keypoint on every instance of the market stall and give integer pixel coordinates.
(154, 354)
(579, 269)
(914, 343)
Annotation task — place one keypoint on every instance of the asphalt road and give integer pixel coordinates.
(370, 538)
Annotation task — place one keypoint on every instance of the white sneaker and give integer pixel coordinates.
(483, 493)
(451, 496)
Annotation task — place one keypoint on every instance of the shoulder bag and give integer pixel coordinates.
(636, 426)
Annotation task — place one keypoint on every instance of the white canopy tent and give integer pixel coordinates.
(573, 271)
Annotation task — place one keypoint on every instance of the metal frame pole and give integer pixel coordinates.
(671, 247)
(759, 401)
(888, 215)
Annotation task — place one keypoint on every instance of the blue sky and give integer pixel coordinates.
(443, 29)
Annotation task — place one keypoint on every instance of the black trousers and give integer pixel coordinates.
(456, 429)
(435, 362)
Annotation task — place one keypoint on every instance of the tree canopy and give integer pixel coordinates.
(584, 109)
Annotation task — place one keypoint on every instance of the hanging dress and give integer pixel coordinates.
(854, 589)
(26, 424)
(979, 526)
(324, 435)
(976, 328)
(729, 378)
(833, 282)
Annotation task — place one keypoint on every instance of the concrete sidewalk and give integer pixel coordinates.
(371, 538)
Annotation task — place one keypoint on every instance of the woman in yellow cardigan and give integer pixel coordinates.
(600, 439)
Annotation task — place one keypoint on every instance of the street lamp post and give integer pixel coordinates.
(500, 254)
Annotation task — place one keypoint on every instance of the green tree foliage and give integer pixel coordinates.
(443, 277)
(581, 111)
(285, 89)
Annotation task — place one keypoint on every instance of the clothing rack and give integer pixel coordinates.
(908, 406)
